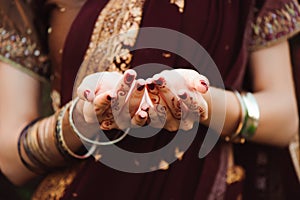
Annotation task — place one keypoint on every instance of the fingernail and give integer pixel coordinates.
(140, 87)
(86, 94)
(151, 86)
(183, 96)
(204, 84)
(108, 97)
(129, 78)
(159, 81)
(145, 108)
(142, 115)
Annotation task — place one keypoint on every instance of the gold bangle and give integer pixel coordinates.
(31, 151)
(63, 147)
(235, 137)
(34, 144)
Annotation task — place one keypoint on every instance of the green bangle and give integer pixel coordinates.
(252, 115)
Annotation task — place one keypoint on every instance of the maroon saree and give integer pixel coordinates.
(223, 28)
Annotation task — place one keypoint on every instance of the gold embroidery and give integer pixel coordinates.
(294, 149)
(163, 165)
(54, 185)
(235, 174)
(115, 31)
(18, 50)
(179, 154)
(275, 26)
(55, 96)
(179, 3)
(19, 42)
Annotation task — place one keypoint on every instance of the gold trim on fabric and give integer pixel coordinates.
(235, 173)
(55, 184)
(115, 31)
(294, 149)
(179, 4)
(56, 100)
(275, 26)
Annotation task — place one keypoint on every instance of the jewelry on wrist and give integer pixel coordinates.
(249, 118)
(252, 115)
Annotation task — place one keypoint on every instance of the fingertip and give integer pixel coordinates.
(182, 94)
(129, 76)
(142, 114)
(140, 85)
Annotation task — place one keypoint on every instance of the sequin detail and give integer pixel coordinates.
(19, 50)
(55, 184)
(275, 26)
(115, 31)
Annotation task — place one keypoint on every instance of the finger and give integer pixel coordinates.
(89, 113)
(102, 102)
(157, 116)
(187, 123)
(106, 115)
(151, 87)
(136, 96)
(194, 79)
(201, 84)
(139, 119)
(123, 90)
(86, 89)
(171, 99)
(195, 102)
(97, 83)
(108, 124)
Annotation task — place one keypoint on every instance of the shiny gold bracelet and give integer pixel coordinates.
(63, 147)
(47, 141)
(23, 149)
(34, 147)
(235, 137)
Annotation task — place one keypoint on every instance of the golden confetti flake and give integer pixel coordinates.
(136, 162)
(98, 157)
(179, 3)
(153, 168)
(166, 55)
(163, 165)
(179, 154)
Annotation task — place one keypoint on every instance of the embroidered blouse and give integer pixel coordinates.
(20, 42)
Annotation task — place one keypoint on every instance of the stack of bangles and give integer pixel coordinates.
(248, 120)
(42, 146)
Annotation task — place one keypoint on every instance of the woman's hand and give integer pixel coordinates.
(112, 100)
(177, 100)
(171, 99)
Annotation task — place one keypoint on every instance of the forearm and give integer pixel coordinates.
(18, 106)
(278, 121)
